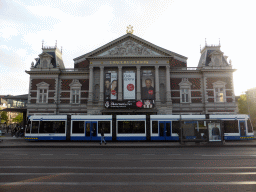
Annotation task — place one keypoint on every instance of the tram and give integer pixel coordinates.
(139, 127)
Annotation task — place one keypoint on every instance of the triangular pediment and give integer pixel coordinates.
(129, 45)
(130, 48)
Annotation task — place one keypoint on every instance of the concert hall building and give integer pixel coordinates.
(130, 76)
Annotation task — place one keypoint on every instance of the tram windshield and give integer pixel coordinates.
(249, 125)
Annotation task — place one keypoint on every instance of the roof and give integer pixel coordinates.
(164, 52)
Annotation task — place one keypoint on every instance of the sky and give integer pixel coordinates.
(80, 26)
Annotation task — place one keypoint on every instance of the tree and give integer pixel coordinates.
(4, 117)
(242, 104)
(18, 118)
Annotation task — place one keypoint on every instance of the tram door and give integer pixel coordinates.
(91, 130)
(164, 130)
(242, 128)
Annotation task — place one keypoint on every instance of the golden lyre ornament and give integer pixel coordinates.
(129, 29)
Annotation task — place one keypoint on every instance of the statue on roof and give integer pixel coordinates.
(129, 29)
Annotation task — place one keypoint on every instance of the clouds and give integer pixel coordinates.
(82, 26)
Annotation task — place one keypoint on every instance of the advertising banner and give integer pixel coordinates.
(110, 88)
(129, 85)
(107, 87)
(113, 94)
(147, 85)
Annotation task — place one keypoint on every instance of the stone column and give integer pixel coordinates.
(120, 80)
(138, 84)
(157, 83)
(101, 83)
(168, 85)
(91, 84)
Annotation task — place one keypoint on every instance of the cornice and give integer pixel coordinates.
(43, 72)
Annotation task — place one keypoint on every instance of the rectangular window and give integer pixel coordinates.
(131, 127)
(154, 126)
(184, 95)
(219, 94)
(176, 127)
(75, 96)
(35, 126)
(52, 127)
(78, 127)
(231, 127)
(249, 125)
(105, 124)
(42, 95)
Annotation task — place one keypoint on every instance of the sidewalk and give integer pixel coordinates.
(12, 142)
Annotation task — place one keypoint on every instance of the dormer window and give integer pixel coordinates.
(185, 91)
(42, 92)
(219, 91)
(75, 92)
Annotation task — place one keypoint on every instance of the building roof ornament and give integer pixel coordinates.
(129, 29)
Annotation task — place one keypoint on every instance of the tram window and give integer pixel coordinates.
(105, 124)
(27, 130)
(249, 125)
(78, 127)
(168, 129)
(94, 129)
(35, 125)
(88, 130)
(231, 127)
(176, 127)
(154, 126)
(52, 127)
(131, 126)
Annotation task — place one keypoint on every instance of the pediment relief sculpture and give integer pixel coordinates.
(216, 59)
(129, 48)
(43, 85)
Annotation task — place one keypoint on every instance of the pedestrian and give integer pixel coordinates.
(102, 136)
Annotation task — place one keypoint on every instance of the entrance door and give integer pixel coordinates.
(164, 130)
(91, 130)
(242, 128)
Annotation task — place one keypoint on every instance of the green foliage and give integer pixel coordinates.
(247, 107)
(4, 117)
(18, 118)
(242, 104)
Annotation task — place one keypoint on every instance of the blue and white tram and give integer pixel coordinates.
(47, 127)
(139, 127)
(88, 127)
(236, 127)
(131, 127)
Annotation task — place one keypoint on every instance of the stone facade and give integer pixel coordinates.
(130, 63)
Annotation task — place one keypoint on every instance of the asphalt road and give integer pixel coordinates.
(128, 169)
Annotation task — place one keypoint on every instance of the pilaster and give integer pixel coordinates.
(120, 94)
(138, 84)
(101, 83)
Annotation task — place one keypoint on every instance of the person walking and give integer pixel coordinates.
(102, 136)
